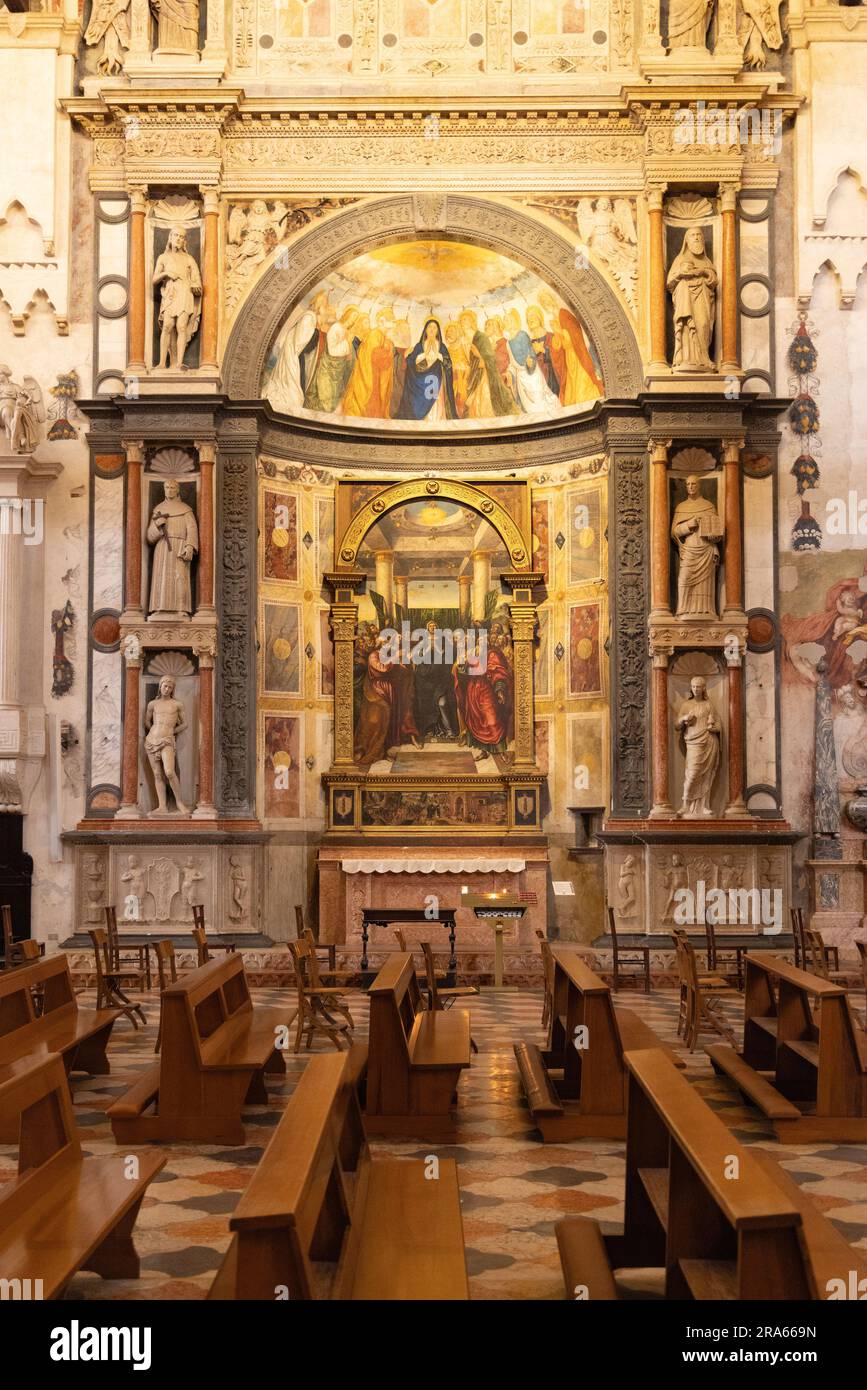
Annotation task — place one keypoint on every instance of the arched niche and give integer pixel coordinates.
(499, 227)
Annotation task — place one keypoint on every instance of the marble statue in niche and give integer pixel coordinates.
(22, 411)
(698, 722)
(190, 879)
(674, 879)
(238, 892)
(688, 22)
(626, 884)
(164, 720)
(177, 25)
(696, 528)
(173, 533)
(109, 25)
(692, 283)
(180, 299)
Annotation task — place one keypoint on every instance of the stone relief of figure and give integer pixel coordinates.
(697, 720)
(692, 283)
(134, 892)
(608, 228)
(688, 22)
(109, 25)
(696, 528)
(177, 25)
(164, 880)
(238, 880)
(731, 875)
(22, 411)
(190, 877)
(180, 299)
(626, 884)
(164, 720)
(173, 532)
(675, 878)
(763, 22)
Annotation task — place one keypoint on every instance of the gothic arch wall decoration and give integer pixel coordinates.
(404, 217)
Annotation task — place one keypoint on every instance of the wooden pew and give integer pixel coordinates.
(79, 1035)
(322, 1219)
(717, 1232)
(214, 1051)
(578, 1093)
(415, 1058)
(63, 1212)
(792, 1058)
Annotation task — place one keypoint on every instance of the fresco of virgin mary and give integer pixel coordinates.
(428, 390)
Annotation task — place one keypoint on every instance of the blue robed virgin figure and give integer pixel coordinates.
(428, 392)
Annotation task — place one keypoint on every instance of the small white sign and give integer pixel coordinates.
(564, 889)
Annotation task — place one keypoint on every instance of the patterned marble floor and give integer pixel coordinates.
(513, 1187)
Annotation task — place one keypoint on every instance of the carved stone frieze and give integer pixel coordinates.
(629, 676)
(236, 669)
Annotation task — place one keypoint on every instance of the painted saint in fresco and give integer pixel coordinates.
(484, 694)
(385, 719)
(428, 390)
(432, 334)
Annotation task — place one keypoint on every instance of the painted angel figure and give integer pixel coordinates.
(109, 23)
(608, 229)
(763, 22)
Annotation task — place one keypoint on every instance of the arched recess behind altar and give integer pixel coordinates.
(496, 226)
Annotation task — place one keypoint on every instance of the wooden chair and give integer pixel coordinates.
(168, 974)
(629, 960)
(198, 934)
(701, 997)
(415, 1056)
(109, 993)
(706, 979)
(199, 915)
(63, 1212)
(440, 999)
(315, 1001)
(322, 1218)
(576, 1089)
(797, 918)
(134, 974)
(818, 957)
(547, 975)
(216, 1049)
(400, 939)
(729, 962)
(710, 1238)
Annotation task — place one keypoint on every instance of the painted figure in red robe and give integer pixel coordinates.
(485, 702)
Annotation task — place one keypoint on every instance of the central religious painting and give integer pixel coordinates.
(432, 334)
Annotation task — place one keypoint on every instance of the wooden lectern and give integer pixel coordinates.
(501, 908)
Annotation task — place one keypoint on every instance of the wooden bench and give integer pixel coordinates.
(415, 1058)
(322, 1219)
(578, 1093)
(79, 1035)
(63, 1212)
(792, 1058)
(715, 1217)
(215, 1049)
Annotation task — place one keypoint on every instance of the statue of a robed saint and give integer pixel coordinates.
(175, 536)
(177, 25)
(164, 720)
(692, 283)
(697, 721)
(696, 528)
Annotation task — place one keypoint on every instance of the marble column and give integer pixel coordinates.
(481, 583)
(660, 540)
(11, 559)
(384, 577)
(206, 450)
(729, 288)
(662, 808)
(205, 808)
(465, 600)
(656, 239)
(736, 808)
(138, 208)
(132, 656)
(134, 450)
(734, 587)
(210, 277)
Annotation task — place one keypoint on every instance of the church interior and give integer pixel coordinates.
(433, 652)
